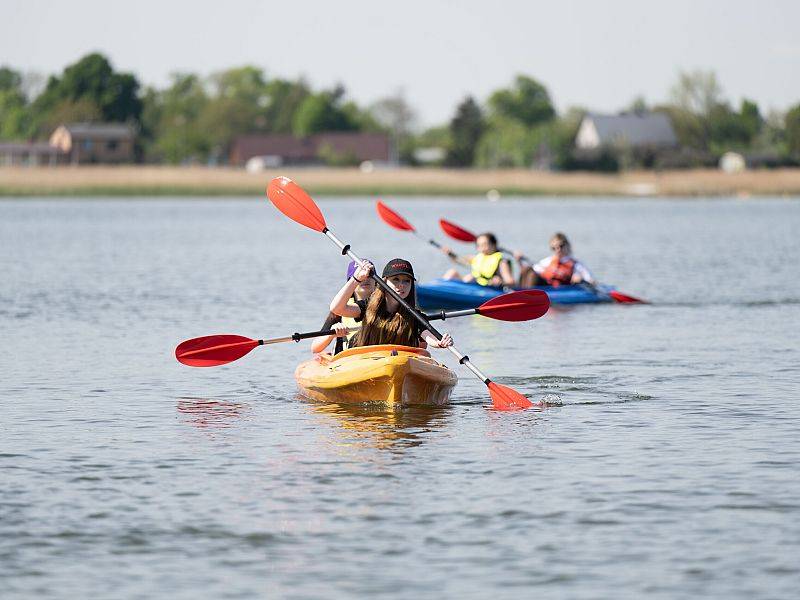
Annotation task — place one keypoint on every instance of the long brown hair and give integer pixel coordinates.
(379, 326)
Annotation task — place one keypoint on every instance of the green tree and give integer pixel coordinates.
(323, 112)
(237, 106)
(697, 92)
(505, 143)
(691, 130)
(70, 111)
(93, 80)
(638, 105)
(171, 119)
(527, 101)
(14, 114)
(283, 100)
(751, 118)
(10, 80)
(792, 132)
(466, 129)
(729, 129)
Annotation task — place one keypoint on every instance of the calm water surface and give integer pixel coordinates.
(669, 470)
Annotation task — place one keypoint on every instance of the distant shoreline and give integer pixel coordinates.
(225, 181)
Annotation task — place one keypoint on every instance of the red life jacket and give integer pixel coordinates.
(558, 273)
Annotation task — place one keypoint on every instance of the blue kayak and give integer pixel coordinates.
(444, 293)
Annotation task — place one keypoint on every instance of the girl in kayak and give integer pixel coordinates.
(489, 267)
(561, 268)
(347, 309)
(385, 321)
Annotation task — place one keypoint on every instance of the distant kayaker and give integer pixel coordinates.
(385, 321)
(346, 310)
(560, 268)
(489, 266)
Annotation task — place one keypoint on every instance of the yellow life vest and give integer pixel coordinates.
(350, 322)
(484, 266)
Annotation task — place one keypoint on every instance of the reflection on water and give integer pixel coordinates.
(210, 412)
(368, 425)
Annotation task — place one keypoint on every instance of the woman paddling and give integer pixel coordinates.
(385, 321)
(488, 265)
(561, 268)
(346, 310)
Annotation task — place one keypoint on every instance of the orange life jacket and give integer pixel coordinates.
(559, 273)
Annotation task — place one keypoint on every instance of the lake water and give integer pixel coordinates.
(669, 470)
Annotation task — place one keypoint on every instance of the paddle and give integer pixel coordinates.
(614, 294)
(524, 305)
(215, 350)
(464, 235)
(295, 203)
(392, 219)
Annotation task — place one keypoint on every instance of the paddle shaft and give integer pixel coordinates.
(295, 337)
(435, 244)
(462, 358)
(522, 258)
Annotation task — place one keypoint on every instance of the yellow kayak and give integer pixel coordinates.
(391, 375)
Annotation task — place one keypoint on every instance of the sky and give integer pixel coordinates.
(596, 55)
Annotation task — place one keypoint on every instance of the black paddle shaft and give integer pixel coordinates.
(437, 245)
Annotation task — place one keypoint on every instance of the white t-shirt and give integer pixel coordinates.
(579, 268)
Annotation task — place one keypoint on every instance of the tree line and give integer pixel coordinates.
(195, 119)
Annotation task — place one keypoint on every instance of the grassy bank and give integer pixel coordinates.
(203, 181)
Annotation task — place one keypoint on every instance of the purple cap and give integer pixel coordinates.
(351, 268)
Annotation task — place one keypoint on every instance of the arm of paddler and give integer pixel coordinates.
(582, 274)
(339, 305)
(321, 344)
(431, 340)
(461, 260)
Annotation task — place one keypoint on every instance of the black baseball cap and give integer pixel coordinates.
(398, 266)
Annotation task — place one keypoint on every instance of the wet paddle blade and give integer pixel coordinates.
(456, 232)
(292, 200)
(625, 298)
(504, 398)
(391, 218)
(213, 350)
(524, 305)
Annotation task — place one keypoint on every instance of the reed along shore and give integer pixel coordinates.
(141, 180)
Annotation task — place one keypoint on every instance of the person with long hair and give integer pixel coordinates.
(385, 321)
(346, 310)
(560, 268)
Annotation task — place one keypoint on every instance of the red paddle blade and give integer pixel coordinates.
(292, 200)
(391, 218)
(213, 350)
(625, 298)
(456, 232)
(504, 398)
(524, 305)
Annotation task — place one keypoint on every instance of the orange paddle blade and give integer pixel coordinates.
(625, 298)
(524, 305)
(292, 200)
(504, 398)
(391, 218)
(456, 232)
(213, 350)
